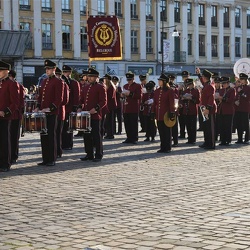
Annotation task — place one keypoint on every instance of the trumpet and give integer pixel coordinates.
(205, 117)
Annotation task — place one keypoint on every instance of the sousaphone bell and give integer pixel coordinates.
(169, 123)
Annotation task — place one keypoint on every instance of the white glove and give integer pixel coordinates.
(150, 101)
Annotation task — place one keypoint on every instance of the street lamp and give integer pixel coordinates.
(174, 34)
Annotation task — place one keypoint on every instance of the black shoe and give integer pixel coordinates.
(228, 144)
(86, 158)
(142, 131)
(202, 145)
(59, 156)
(175, 145)
(109, 137)
(41, 164)
(147, 139)
(153, 140)
(126, 141)
(67, 148)
(223, 144)
(246, 142)
(182, 137)
(96, 160)
(163, 151)
(50, 164)
(190, 142)
(13, 161)
(134, 142)
(239, 142)
(4, 169)
(119, 133)
(199, 129)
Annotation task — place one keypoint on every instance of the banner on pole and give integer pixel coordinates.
(104, 38)
(166, 50)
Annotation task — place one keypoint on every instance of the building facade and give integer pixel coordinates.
(212, 34)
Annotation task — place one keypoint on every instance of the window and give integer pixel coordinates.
(190, 44)
(163, 12)
(26, 26)
(202, 45)
(226, 17)
(248, 47)
(248, 19)
(189, 12)
(149, 47)
(214, 16)
(24, 4)
(83, 7)
(133, 9)
(226, 46)
(134, 48)
(237, 47)
(201, 14)
(66, 6)
(118, 8)
(237, 18)
(101, 7)
(149, 10)
(84, 39)
(214, 46)
(46, 36)
(177, 16)
(46, 5)
(66, 37)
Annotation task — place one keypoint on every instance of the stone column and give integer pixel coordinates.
(37, 29)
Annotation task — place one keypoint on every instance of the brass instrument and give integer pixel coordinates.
(205, 117)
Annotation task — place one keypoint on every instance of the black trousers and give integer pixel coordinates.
(94, 139)
(242, 124)
(209, 131)
(118, 115)
(49, 140)
(15, 126)
(67, 136)
(182, 125)
(150, 126)
(200, 119)
(131, 126)
(109, 124)
(59, 129)
(175, 131)
(5, 144)
(226, 127)
(191, 123)
(217, 125)
(165, 136)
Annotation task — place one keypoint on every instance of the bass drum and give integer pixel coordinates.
(242, 66)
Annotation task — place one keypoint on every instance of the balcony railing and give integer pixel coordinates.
(237, 25)
(226, 25)
(214, 23)
(67, 46)
(202, 22)
(180, 56)
(24, 7)
(46, 9)
(134, 50)
(47, 46)
(84, 47)
(238, 55)
(66, 11)
(189, 20)
(133, 16)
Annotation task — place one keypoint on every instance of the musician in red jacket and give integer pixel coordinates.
(16, 120)
(93, 99)
(190, 101)
(71, 106)
(132, 93)
(111, 104)
(9, 103)
(209, 109)
(164, 102)
(62, 114)
(49, 101)
(242, 109)
(226, 111)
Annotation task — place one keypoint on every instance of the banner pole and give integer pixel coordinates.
(87, 16)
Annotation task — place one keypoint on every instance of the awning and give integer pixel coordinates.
(13, 43)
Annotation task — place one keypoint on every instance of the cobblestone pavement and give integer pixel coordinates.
(134, 199)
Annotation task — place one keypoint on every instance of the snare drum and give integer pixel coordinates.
(80, 121)
(29, 105)
(35, 122)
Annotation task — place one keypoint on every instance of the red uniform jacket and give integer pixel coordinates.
(51, 94)
(207, 97)
(226, 107)
(94, 96)
(132, 102)
(190, 107)
(9, 98)
(111, 98)
(74, 94)
(21, 101)
(62, 111)
(163, 102)
(243, 95)
(147, 107)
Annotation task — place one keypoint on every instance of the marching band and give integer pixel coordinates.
(62, 105)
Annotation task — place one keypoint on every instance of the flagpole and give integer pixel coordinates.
(87, 16)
